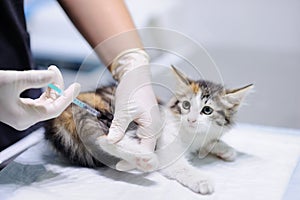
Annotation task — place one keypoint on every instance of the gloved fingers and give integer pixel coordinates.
(150, 123)
(57, 81)
(147, 137)
(33, 79)
(28, 101)
(123, 166)
(32, 111)
(57, 106)
(117, 128)
(149, 143)
(58, 78)
(150, 127)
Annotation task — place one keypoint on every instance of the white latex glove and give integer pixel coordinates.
(135, 99)
(21, 113)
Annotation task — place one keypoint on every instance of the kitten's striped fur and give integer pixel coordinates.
(67, 131)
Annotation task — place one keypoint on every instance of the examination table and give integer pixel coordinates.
(266, 168)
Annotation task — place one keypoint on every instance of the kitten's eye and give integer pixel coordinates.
(186, 105)
(207, 110)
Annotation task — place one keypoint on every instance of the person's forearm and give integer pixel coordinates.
(104, 22)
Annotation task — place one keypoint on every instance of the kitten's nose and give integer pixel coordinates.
(191, 120)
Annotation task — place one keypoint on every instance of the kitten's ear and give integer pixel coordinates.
(180, 76)
(236, 96)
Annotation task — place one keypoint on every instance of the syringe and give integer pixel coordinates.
(77, 102)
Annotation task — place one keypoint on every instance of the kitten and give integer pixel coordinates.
(196, 117)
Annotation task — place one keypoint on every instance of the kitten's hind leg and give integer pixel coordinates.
(129, 150)
(223, 151)
(88, 130)
(93, 135)
(123, 165)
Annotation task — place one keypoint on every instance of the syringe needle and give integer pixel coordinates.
(77, 101)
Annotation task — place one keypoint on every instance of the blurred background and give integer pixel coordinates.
(255, 41)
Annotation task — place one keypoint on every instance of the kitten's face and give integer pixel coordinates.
(201, 105)
(196, 111)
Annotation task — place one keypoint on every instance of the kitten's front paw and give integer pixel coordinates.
(202, 185)
(229, 155)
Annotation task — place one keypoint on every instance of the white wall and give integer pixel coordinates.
(251, 41)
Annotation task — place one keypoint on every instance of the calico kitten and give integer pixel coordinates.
(196, 117)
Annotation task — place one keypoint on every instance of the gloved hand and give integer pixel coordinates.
(21, 113)
(135, 99)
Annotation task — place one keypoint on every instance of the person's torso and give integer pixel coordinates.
(15, 54)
